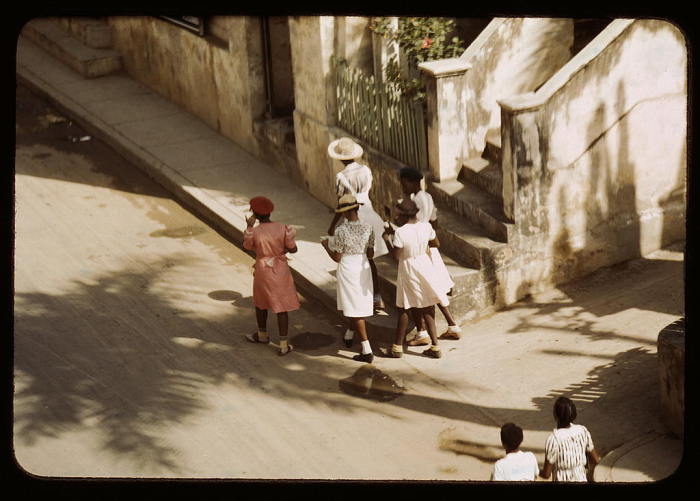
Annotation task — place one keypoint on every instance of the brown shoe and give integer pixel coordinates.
(449, 335)
(419, 341)
(432, 353)
(390, 353)
(253, 338)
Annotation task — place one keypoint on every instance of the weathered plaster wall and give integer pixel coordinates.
(594, 162)
(221, 84)
(511, 56)
(314, 39)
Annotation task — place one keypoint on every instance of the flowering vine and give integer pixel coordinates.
(420, 39)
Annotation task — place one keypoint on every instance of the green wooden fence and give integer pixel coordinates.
(378, 115)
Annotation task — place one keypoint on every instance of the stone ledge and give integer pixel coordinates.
(671, 356)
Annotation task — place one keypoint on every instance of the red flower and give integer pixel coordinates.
(427, 42)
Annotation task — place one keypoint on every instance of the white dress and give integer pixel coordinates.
(416, 285)
(355, 291)
(356, 179)
(428, 212)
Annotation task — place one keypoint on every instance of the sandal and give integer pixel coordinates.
(253, 338)
(290, 348)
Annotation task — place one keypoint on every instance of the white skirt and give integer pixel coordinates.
(355, 297)
(442, 276)
(367, 214)
(416, 286)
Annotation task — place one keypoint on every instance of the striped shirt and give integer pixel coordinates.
(566, 450)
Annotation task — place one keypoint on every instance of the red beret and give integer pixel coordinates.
(261, 205)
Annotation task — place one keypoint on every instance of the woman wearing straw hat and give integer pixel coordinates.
(352, 248)
(417, 289)
(356, 179)
(273, 285)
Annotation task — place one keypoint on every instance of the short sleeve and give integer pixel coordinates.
(433, 215)
(497, 473)
(551, 450)
(339, 188)
(432, 233)
(535, 466)
(397, 241)
(289, 234)
(336, 243)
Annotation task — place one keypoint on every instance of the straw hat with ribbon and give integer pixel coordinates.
(346, 203)
(344, 149)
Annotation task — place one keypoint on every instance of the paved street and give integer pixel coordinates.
(130, 359)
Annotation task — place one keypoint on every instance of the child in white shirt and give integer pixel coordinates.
(516, 465)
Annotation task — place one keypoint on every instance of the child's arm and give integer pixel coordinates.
(393, 251)
(546, 470)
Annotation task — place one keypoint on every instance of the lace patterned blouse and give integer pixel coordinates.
(352, 237)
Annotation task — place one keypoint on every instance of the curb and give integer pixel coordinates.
(226, 221)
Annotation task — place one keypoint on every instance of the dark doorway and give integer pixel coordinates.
(278, 66)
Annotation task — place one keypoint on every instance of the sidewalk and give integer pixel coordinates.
(214, 178)
(205, 171)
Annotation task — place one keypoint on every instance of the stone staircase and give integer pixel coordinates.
(477, 238)
(84, 44)
(473, 232)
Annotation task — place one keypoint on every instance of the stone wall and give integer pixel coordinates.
(671, 355)
(511, 56)
(221, 83)
(594, 161)
(314, 40)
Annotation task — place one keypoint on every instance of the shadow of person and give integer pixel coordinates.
(236, 298)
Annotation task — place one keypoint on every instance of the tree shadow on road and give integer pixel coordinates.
(84, 360)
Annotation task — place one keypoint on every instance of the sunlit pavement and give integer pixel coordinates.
(130, 359)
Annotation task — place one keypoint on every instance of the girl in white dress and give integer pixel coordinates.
(410, 179)
(417, 290)
(352, 248)
(356, 179)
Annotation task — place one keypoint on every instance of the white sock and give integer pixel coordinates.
(283, 343)
(262, 335)
(397, 348)
(366, 348)
(454, 328)
(422, 334)
(348, 334)
(435, 347)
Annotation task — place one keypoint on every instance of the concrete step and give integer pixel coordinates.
(467, 243)
(91, 31)
(88, 61)
(472, 296)
(483, 173)
(475, 205)
(492, 150)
